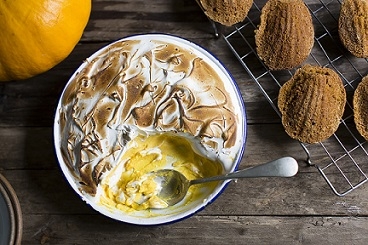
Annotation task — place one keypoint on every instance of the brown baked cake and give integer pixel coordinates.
(353, 27)
(360, 105)
(285, 35)
(226, 12)
(312, 103)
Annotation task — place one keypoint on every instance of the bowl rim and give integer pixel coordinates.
(219, 190)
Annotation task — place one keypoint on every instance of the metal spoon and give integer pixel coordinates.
(174, 185)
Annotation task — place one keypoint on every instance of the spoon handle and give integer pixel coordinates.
(282, 167)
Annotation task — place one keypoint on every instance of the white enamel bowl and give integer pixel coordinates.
(179, 211)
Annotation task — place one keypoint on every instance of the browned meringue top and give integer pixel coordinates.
(141, 86)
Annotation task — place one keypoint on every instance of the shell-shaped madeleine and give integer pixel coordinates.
(312, 103)
(226, 12)
(353, 27)
(285, 35)
(360, 105)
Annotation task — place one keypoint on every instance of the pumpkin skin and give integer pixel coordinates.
(36, 35)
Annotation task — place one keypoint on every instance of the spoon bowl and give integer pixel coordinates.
(174, 185)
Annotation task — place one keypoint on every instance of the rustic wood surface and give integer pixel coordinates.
(298, 210)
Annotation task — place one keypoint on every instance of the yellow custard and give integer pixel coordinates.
(125, 187)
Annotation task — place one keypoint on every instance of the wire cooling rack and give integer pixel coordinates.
(342, 159)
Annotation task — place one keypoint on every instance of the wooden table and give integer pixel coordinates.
(298, 210)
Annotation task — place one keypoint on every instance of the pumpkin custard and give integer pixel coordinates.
(143, 105)
(127, 186)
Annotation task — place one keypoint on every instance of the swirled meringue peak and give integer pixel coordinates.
(144, 103)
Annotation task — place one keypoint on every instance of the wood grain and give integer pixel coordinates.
(53, 229)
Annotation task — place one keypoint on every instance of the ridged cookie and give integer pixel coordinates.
(353, 27)
(226, 12)
(312, 103)
(360, 105)
(285, 35)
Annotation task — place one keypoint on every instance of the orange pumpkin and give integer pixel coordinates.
(36, 35)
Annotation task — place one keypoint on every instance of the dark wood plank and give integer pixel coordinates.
(92, 229)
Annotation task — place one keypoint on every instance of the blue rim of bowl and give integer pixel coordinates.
(244, 135)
